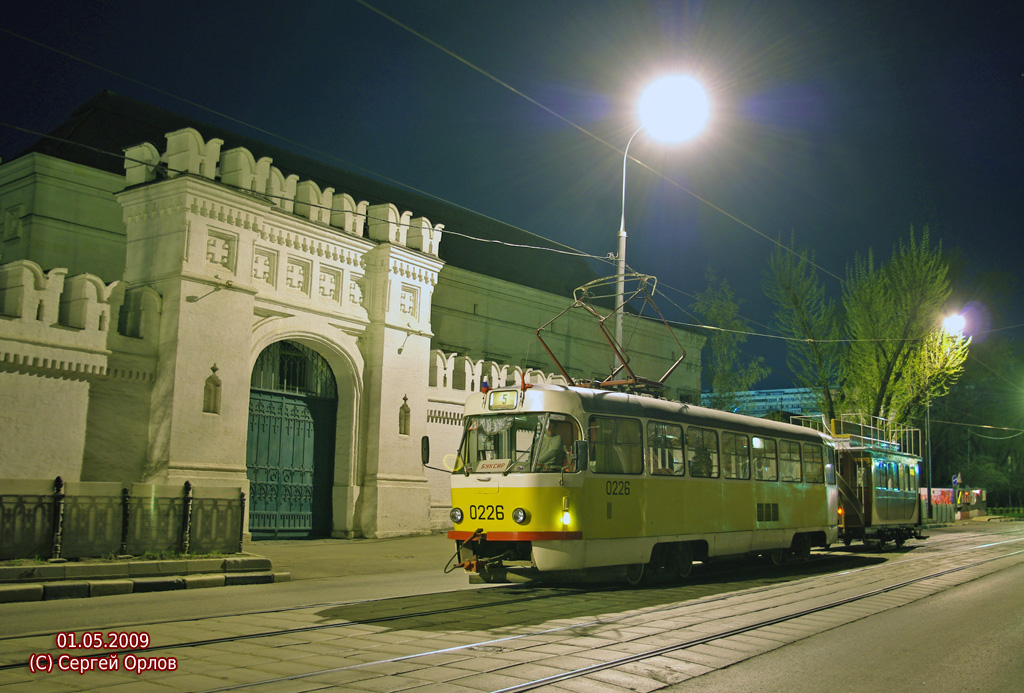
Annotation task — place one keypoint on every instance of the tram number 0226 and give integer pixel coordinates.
(486, 512)
(616, 488)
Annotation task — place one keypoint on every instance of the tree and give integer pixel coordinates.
(891, 316)
(895, 358)
(804, 313)
(930, 369)
(718, 308)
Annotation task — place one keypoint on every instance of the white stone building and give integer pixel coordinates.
(210, 308)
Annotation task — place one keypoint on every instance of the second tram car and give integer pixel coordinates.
(550, 479)
(879, 492)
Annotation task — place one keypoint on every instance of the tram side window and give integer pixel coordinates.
(789, 460)
(913, 478)
(735, 456)
(884, 473)
(702, 451)
(814, 465)
(766, 459)
(616, 446)
(830, 466)
(665, 445)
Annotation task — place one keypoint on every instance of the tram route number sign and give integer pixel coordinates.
(498, 400)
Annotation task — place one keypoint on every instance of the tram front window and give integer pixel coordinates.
(518, 443)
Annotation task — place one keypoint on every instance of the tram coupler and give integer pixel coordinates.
(470, 566)
(468, 553)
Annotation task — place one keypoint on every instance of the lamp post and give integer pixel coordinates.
(671, 109)
(953, 325)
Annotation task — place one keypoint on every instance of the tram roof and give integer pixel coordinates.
(621, 403)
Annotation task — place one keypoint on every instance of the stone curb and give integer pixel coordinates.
(111, 570)
(55, 581)
(77, 589)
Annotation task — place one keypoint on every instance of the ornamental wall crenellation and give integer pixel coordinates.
(71, 326)
(453, 376)
(187, 153)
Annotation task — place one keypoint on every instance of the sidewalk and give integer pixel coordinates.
(260, 562)
(309, 559)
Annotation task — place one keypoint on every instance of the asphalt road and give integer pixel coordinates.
(968, 638)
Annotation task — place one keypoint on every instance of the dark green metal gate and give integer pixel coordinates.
(293, 406)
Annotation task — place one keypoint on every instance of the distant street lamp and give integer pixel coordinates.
(671, 109)
(954, 325)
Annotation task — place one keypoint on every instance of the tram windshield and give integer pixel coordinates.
(517, 443)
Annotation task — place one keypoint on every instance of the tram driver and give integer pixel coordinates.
(552, 451)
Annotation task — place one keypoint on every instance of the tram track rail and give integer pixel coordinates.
(698, 604)
(604, 666)
(710, 576)
(551, 591)
(486, 645)
(301, 629)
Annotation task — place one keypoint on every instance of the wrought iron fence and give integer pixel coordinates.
(58, 519)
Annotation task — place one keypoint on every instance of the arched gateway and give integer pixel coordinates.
(293, 406)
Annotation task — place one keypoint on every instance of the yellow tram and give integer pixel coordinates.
(552, 479)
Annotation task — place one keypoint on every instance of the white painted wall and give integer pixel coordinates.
(210, 263)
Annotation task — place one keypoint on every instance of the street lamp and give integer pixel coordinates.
(671, 109)
(953, 325)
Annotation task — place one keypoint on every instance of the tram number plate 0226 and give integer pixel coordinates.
(486, 512)
(616, 488)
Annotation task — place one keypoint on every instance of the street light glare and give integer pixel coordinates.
(954, 324)
(674, 108)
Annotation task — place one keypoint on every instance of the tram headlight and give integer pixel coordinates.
(456, 515)
(566, 518)
(520, 516)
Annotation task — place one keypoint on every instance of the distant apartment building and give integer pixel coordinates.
(794, 400)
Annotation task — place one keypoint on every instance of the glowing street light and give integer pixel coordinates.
(955, 324)
(674, 108)
(671, 109)
(952, 325)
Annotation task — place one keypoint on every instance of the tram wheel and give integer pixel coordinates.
(635, 574)
(801, 548)
(899, 541)
(777, 556)
(682, 560)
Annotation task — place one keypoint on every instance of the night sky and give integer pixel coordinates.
(842, 123)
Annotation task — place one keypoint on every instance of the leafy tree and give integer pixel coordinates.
(890, 312)
(930, 368)
(896, 359)
(717, 306)
(805, 313)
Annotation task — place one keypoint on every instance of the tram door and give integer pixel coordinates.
(855, 481)
(293, 405)
(614, 507)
